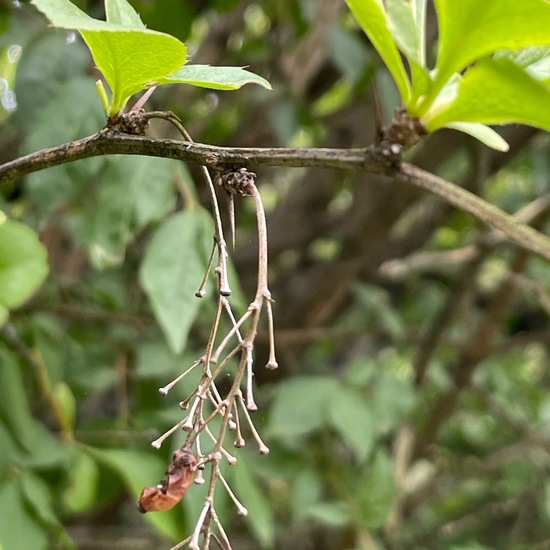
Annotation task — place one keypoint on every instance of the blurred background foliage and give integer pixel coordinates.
(411, 406)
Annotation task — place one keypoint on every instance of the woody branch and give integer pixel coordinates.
(367, 159)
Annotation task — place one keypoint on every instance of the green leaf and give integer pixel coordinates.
(421, 79)
(122, 13)
(376, 492)
(378, 308)
(17, 527)
(11, 452)
(535, 60)
(54, 124)
(483, 133)
(129, 58)
(352, 418)
(470, 29)
(372, 18)
(300, 407)
(48, 64)
(38, 498)
(80, 493)
(306, 493)
(393, 399)
(23, 262)
(260, 515)
(495, 91)
(407, 22)
(348, 52)
(14, 405)
(332, 514)
(172, 270)
(66, 401)
(217, 78)
(134, 192)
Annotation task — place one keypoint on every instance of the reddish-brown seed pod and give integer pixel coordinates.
(173, 487)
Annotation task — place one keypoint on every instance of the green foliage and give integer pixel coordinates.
(128, 55)
(306, 404)
(133, 58)
(127, 202)
(128, 245)
(262, 520)
(489, 92)
(23, 267)
(172, 268)
(373, 20)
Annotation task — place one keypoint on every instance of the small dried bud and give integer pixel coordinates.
(237, 181)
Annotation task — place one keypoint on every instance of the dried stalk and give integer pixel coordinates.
(205, 403)
(369, 159)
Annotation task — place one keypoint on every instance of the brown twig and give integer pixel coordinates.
(369, 159)
(206, 403)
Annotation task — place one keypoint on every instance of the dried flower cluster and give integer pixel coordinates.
(207, 402)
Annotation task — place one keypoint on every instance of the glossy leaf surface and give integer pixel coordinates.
(371, 16)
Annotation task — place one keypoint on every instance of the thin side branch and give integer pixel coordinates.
(107, 142)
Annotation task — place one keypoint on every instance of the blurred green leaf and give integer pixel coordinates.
(172, 270)
(64, 397)
(376, 492)
(300, 407)
(306, 492)
(55, 124)
(352, 418)
(18, 529)
(11, 453)
(14, 405)
(392, 399)
(260, 516)
(155, 360)
(134, 192)
(23, 266)
(407, 21)
(534, 59)
(40, 448)
(80, 493)
(349, 53)
(360, 372)
(48, 64)
(378, 309)
(38, 498)
(333, 514)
